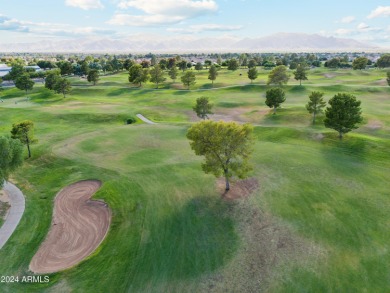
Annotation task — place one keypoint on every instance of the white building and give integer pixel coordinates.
(4, 69)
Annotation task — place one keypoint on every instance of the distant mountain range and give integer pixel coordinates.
(279, 42)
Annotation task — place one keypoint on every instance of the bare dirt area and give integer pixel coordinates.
(238, 189)
(268, 253)
(329, 75)
(374, 124)
(4, 204)
(79, 225)
(239, 115)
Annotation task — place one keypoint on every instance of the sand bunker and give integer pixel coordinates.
(79, 225)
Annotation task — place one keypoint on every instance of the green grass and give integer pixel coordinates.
(170, 231)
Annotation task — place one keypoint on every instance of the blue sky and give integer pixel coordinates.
(26, 21)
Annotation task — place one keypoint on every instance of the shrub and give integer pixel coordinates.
(130, 120)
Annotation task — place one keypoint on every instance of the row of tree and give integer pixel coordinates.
(342, 115)
(139, 75)
(227, 146)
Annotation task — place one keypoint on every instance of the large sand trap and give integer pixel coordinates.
(79, 225)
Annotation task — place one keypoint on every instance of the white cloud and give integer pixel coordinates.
(363, 26)
(52, 29)
(85, 4)
(380, 11)
(206, 27)
(216, 27)
(185, 8)
(162, 12)
(74, 32)
(343, 31)
(9, 24)
(347, 19)
(143, 20)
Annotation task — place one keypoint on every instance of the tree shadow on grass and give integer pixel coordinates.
(346, 153)
(118, 92)
(297, 89)
(197, 239)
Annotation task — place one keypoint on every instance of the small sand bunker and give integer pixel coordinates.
(79, 225)
(238, 189)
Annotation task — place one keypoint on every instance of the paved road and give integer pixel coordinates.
(146, 120)
(15, 212)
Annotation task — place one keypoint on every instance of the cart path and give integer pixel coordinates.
(144, 119)
(15, 212)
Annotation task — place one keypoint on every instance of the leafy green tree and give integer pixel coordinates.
(173, 71)
(383, 61)
(388, 78)
(203, 107)
(333, 63)
(163, 64)
(300, 73)
(182, 65)
(62, 86)
(233, 64)
(138, 75)
(46, 64)
(316, 104)
(188, 78)
(359, 63)
(24, 131)
(252, 73)
(226, 146)
(65, 67)
(157, 75)
(51, 80)
(171, 63)
(1, 86)
(208, 63)
(293, 65)
(343, 114)
(278, 75)
(118, 65)
(84, 68)
(198, 66)
(153, 60)
(17, 70)
(145, 64)
(128, 63)
(93, 76)
(24, 82)
(213, 73)
(274, 98)
(11, 157)
(252, 63)
(219, 60)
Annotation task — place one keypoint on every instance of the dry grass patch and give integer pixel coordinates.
(238, 188)
(269, 251)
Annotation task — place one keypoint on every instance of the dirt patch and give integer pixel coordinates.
(269, 251)
(318, 136)
(329, 75)
(228, 115)
(4, 204)
(382, 82)
(4, 196)
(238, 188)
(374, 124)
(79, 225)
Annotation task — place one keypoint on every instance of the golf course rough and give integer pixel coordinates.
(79, 225)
